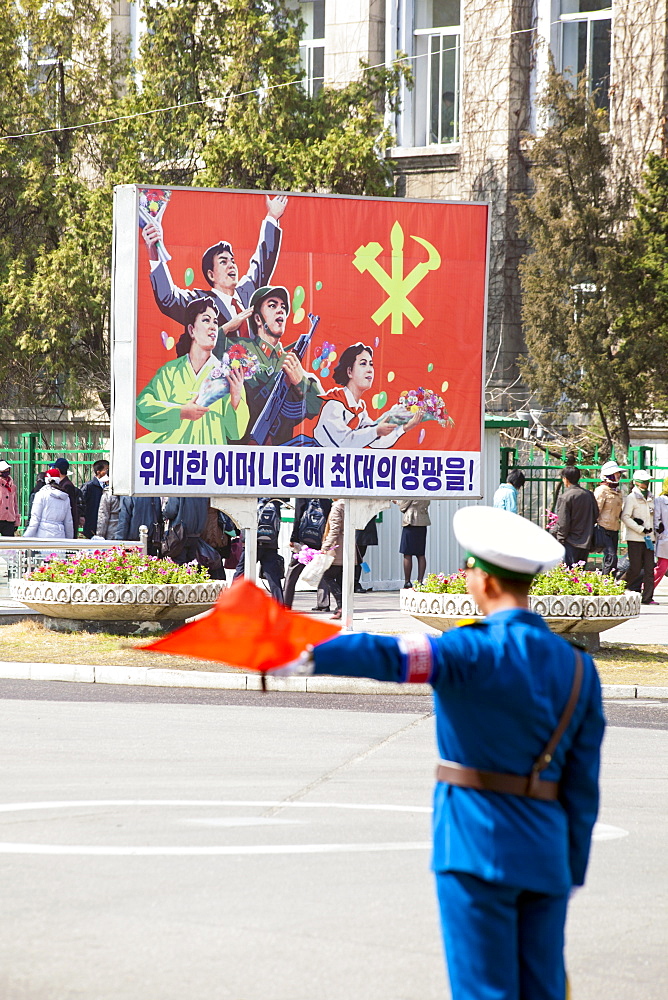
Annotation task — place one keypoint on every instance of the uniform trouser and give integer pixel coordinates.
(292, 574)
(7, 528)
(641, 560)
(501, 943)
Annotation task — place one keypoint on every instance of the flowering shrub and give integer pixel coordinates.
(576, 580)
(117, 565)
(439, 583)
(560, 580)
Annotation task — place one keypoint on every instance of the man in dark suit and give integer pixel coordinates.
(231, 294)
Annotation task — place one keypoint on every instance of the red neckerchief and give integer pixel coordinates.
(339, 393)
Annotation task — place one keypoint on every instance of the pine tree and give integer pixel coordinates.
(578, 274)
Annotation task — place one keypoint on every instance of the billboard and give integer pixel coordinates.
(313, 345)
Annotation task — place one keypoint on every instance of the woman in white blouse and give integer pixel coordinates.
(344, 421)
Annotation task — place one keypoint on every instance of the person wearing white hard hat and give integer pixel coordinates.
(519, 723)
(9, 505)
(638, 521)
(610, 502)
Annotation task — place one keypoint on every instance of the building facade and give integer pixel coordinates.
(463, 130)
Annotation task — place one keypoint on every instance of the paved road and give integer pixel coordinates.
(635, 713)
(173, 849)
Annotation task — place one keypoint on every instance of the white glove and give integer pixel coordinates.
(301, 667)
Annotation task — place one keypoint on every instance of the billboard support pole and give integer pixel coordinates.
(356, 514)
(243, 511)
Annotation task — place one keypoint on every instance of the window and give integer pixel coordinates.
(312, 44)
(437, 46)
(585, 45)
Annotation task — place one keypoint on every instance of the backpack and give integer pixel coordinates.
(268, 525)
(312, 525)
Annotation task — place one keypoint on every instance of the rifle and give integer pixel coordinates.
(268, 422)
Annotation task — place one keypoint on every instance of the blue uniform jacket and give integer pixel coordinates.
(499, 690)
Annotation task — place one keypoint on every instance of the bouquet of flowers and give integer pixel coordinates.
(429, 403)
(216, 384)
(397, 415)
(305, 555)
(152, 205)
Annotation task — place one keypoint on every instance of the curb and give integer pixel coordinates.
(158, 677)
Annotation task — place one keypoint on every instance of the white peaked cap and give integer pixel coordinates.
(506, 541)
(641, 476)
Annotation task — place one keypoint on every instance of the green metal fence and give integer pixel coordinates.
(543, 475)
(34, 452)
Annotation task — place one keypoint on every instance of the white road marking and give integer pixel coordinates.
(602, 831)
(214, 849)
(230, 821)
(245, 803)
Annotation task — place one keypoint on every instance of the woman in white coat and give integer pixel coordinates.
(51, 515)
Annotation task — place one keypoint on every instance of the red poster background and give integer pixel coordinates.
(320, 237)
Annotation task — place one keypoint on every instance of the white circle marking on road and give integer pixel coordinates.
(602, 831)
(215, 849)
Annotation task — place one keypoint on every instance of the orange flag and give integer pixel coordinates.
(247, 628)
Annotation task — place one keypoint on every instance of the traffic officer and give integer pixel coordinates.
(519, 725)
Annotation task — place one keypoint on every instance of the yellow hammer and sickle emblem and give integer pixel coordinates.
(396, 284)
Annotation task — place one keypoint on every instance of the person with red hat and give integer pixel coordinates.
(51, 515)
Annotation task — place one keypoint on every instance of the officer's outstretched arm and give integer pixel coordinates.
(408, 658)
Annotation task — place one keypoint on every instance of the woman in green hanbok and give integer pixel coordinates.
(168, 406)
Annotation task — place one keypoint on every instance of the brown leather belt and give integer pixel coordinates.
(494, 781)
(532, 787)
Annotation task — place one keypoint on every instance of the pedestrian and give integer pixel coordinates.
(307, 530)
(577, 513)
(191, 515)
(268, 529)
(661, 534)
(505, 496)
(610, 502)
(638, 520)
(51, 514)
(137, 511)
(9, 503)
(364, 537)
(519, 724)
(415, 520)
(67, 486)
(107, 514)
(332, 544)
(91, 494)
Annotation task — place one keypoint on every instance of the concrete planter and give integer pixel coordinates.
(110, 602)
(563, 613)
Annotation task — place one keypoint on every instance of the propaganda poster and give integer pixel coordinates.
(305, 345)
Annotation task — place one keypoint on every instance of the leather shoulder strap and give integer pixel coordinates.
(546, 756)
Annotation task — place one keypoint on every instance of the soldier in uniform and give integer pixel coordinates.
(270, 308)
(519, 725)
